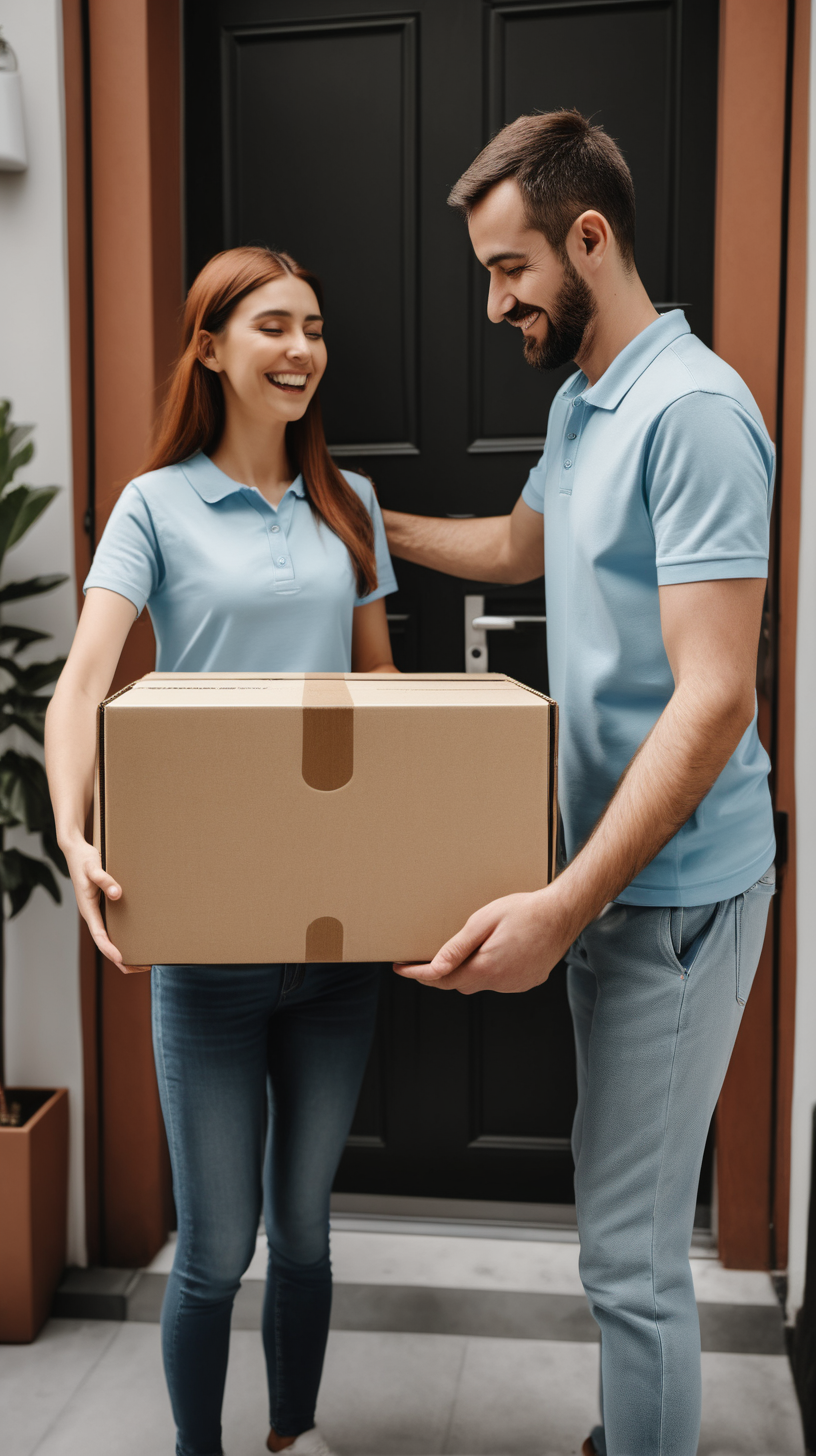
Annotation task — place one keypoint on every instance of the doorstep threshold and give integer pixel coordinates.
(477, 1219)
(453, 1217)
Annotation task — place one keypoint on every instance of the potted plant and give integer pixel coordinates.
(33, 1120)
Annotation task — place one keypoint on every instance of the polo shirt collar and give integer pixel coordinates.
(632, 361)
(213, 485)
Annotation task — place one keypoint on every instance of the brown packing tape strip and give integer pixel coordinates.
(328, 733)
(324, 939)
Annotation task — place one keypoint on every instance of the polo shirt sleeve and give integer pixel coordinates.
(386, 580)
(127, 559)
(709, 484)
(533, 492)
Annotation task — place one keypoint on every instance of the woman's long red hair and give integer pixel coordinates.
(192, 417)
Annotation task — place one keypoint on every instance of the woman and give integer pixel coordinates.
(253, 553)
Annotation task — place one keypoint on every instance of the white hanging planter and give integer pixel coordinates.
(12, 135)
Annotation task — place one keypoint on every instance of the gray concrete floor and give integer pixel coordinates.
(96, 1388)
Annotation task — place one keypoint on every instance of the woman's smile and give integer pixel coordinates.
(289, 383)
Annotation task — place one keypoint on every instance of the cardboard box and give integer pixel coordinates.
(319, 817)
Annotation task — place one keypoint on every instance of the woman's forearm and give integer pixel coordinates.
(70, 723)
(70, 758)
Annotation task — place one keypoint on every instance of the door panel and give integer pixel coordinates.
(360, 71)
(336, 130)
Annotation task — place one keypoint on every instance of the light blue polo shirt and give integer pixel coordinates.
(233, 584)
(661, 472)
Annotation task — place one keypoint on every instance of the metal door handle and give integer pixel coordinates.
(501, 624)
(477, 625)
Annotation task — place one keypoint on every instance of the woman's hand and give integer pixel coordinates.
(70, 748)
(89, 879)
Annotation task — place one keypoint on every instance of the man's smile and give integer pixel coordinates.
(523, 321)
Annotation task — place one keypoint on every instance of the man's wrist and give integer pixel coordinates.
(567, 901)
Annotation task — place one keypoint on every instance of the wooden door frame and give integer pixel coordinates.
(123, 126)
(123, 148)
(759, 327)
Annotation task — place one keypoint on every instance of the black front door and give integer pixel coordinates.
(335, 129)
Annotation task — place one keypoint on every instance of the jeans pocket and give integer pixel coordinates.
(751, 917)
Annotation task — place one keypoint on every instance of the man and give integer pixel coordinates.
(652, 502)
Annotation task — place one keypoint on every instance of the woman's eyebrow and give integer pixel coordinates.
(286, 313)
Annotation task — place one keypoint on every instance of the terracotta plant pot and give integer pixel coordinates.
(33, 1210)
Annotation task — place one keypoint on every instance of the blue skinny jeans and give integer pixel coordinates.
(259, 1069)
(656, 996)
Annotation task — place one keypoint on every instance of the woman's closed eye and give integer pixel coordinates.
(317, 337)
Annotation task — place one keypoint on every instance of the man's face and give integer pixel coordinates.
(531, 288)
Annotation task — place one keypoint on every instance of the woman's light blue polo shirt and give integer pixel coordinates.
(233, 584)
(661, 472)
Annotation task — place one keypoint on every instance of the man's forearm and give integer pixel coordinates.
(478, 550)
(670, 774)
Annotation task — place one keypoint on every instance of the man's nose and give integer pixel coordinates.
(499, 302)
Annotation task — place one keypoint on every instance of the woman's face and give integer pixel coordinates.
(270, 354)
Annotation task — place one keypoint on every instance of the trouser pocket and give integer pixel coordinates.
(751, 917)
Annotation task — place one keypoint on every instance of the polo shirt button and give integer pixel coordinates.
(567, 464)
(576, 402)
(277, 528)
(281, 561)
(573, 436)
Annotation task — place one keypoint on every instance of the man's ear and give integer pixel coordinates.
(205, 349)
(589, 240)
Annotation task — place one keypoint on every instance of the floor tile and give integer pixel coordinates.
(452, 1263)
(742, 1329)
(98, 1389)
(121, 1409)
(163, 1262)
(716, 1285)
(440, 1262)
(37, 1380)
(749, 1407)
(480, 1312)
(389, 1395)
(524, 1398)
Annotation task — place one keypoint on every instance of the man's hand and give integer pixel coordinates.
(509, 945)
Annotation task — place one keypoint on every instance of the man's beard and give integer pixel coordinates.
(571, 321)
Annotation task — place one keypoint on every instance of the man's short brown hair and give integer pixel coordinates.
(563, 166)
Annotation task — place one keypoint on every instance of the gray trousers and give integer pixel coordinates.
(656, 996)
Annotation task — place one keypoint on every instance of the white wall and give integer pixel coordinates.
(43, 1040)
(804, 1091)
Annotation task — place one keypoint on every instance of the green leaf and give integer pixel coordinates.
(23, 710)
(14, 461)
(24, 790)
(23, 636)
(17, 434)
(33, 676)
(20, 874)
(19, 509)
(25, 799)
(14, 591)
